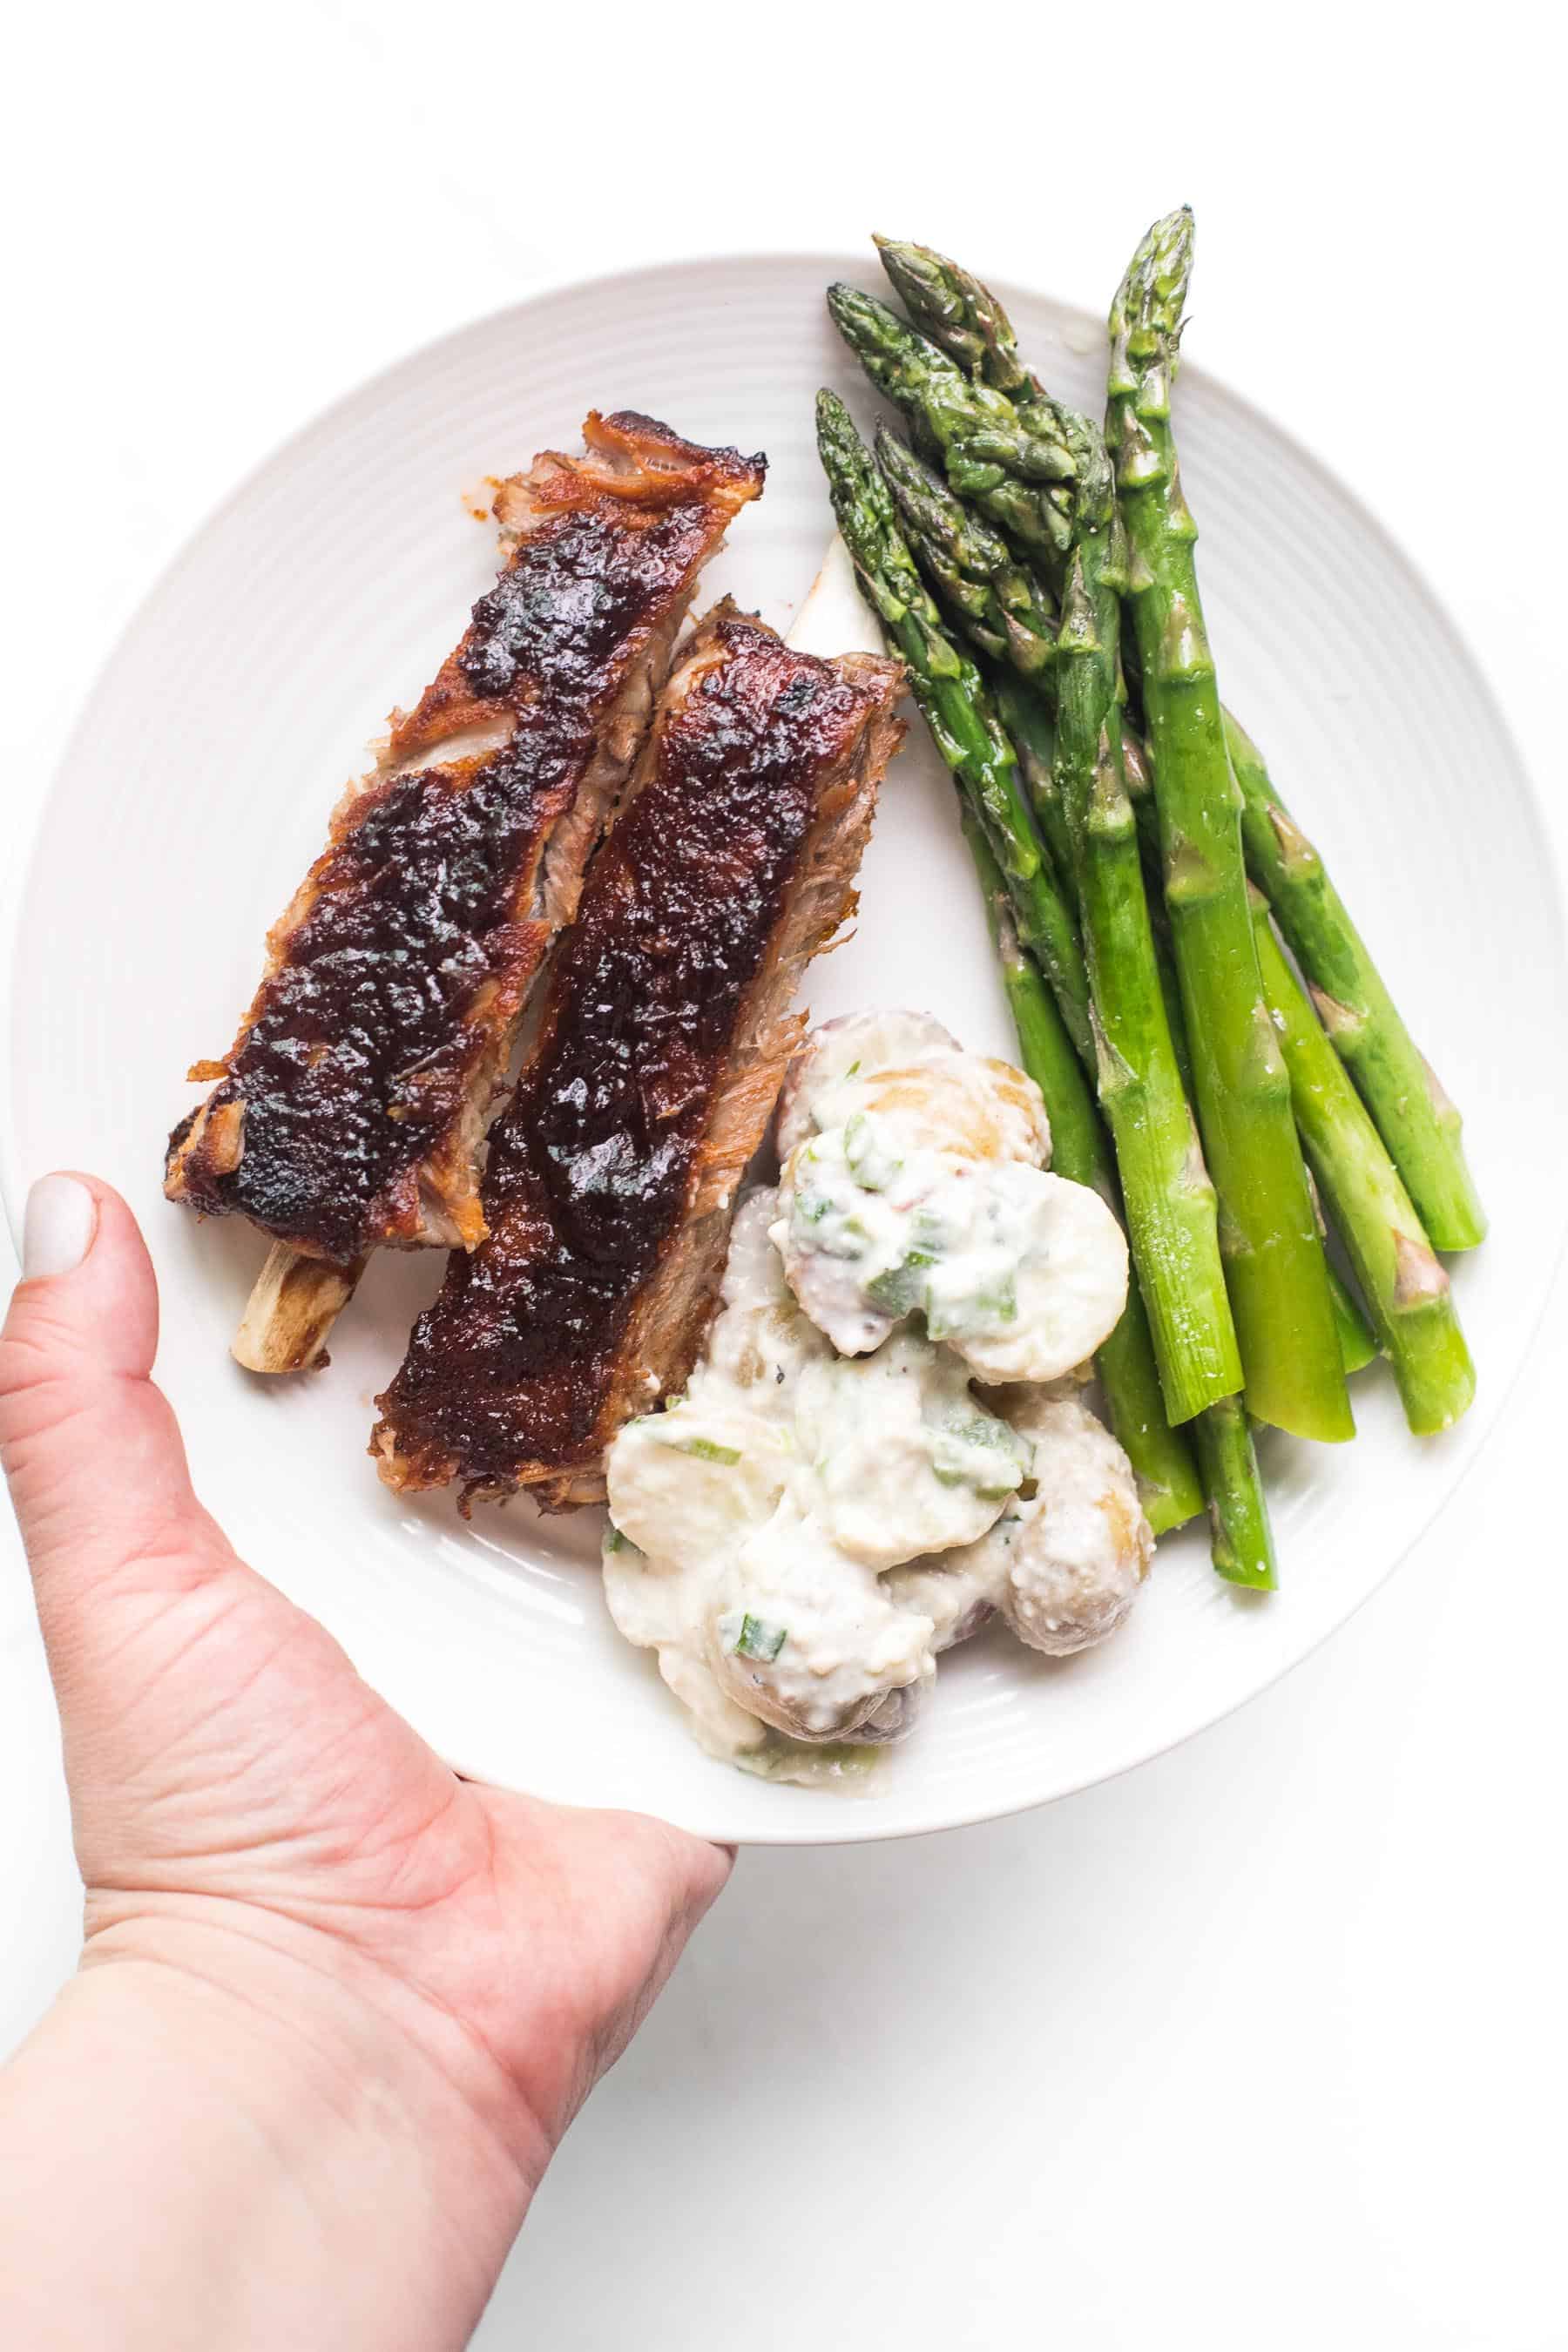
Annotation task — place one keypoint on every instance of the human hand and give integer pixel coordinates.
(251, 1817)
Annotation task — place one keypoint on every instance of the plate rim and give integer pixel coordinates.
(552, 287)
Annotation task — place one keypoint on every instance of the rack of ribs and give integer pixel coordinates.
(652, 1074)
(349, 1112)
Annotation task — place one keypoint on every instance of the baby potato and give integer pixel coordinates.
(696, 1478)
(1066, 1556)
(807, 1639)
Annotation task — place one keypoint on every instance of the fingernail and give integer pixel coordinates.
(57, 1230)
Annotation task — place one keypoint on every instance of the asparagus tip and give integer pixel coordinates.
(1145, 320)
(1163, 262)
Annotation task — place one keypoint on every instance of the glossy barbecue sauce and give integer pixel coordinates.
(590, 1168)
(363, 1045)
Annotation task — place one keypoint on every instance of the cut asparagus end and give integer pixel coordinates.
(1241, 1538)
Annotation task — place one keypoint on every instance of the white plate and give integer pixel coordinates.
(197, 788)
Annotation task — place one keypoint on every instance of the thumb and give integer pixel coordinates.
(92, 1449)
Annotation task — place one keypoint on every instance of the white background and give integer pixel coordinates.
(1264, 2044)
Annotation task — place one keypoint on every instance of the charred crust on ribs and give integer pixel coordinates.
(663, 1040)
(350, 1109)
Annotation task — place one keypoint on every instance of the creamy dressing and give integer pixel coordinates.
(751, 1518)
(913, 1184)
(824, 1512)
(1021, 1272)
(897, 1455)
(807, 1638)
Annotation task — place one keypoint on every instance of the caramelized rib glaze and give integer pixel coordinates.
(349, 1110)
(652, 1073)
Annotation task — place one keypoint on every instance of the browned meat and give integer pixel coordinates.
(660, 1053)
(349, 1110)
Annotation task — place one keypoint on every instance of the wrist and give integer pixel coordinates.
(287, 2125)
(291, 2001)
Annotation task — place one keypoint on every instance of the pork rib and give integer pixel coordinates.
(664, 1038)
(348, 1113)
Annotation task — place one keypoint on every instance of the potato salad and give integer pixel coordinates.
(835, 1501)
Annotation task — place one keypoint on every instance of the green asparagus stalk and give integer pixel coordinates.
(1018, 471)
(1414, 1115)
(1031, 731)
(1403, 1282)
(1171, 1207)
(1277, 1276)
(1160, 1455)
(1416, 1118)
(956, 706)
(1242, 1541)
(1357, 1346)
(1358, 1343)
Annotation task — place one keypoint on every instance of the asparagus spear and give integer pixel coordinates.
(1032, 732)
(1358, 1348)
(1416, 1118)
(1161, 1458)
(1017, 470)
(1279, 1281)
(1405, 1284)
(1242, 1545)
(1171, 1207)
(1417, 1121)
(956, 708)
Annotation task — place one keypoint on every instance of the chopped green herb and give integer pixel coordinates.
(614, 1540)
(750, 1637)
(981, 1308)
(706, 1450)
(867, 1155)
(902, 1289)
(979, 1451)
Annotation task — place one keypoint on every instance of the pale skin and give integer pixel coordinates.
(335, 2007)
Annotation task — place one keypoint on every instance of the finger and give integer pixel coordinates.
(92, 1448)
